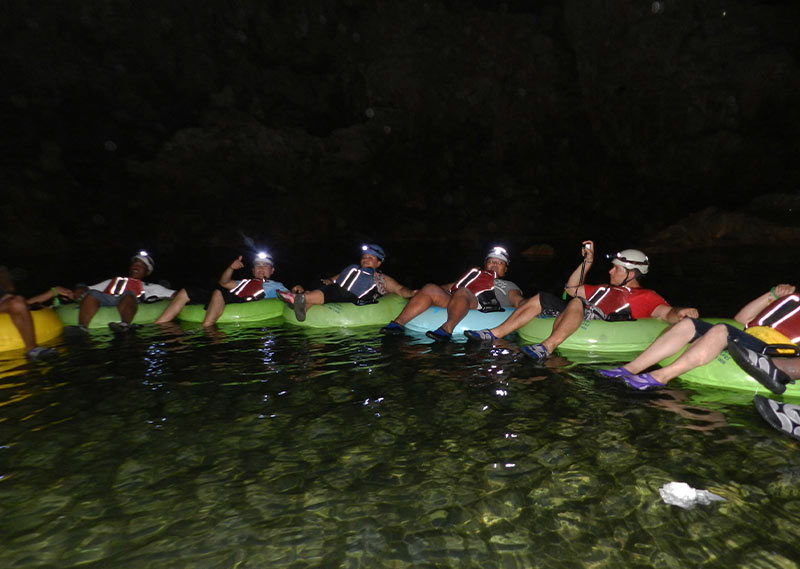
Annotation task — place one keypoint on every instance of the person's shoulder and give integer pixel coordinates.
(506, 283)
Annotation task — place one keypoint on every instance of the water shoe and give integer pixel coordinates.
(120, 327)
(39, 353)
(783, 416)
(393, 329)
(536, 351)
(642, 382)
(480, 335)
(759, 367)
(439, 335)
(614, 373)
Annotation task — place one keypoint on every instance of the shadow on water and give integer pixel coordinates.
(276, 446)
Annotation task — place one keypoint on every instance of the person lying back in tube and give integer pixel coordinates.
(125, 293)
(622, 298)
(766, 349)
(359, 284)
(483, 289)
(228, 291)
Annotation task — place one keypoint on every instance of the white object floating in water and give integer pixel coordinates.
(683, 495)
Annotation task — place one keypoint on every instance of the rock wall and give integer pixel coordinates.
(182, 122)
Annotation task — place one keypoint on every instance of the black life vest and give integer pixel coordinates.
(359, 281)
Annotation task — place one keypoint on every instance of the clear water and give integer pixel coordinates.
(276, 447)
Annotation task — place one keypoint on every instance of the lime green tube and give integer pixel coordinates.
(348, 315)
(146, 314)
(598, 336)
(723, 373)
(239, 313)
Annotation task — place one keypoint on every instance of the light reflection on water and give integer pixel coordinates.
(277, 447)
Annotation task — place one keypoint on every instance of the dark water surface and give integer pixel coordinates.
(278, 447)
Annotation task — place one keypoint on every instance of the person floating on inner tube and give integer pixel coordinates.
(772, 325)
(622, 299)
(229, 291)
(360, 284)
(17, 309)
(484, 289)
(123, 292)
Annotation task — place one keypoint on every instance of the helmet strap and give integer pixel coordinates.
(636, 274)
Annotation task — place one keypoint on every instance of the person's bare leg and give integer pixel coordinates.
(17, 309)
(174, 307)
(789, 366)
(216, 306)
(428, 295)
(314, 297)
(700, 352)
(523, 314)
(88, 308)
(460, 302)
(667, 344)
(565, 325)
(127, 308)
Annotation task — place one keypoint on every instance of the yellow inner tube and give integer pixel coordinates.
(46, 325)
(770, 336)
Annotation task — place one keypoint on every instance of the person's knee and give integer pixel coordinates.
(16, 304)
(717, 332)
(532, 305)
(127, 301)
(429, 289)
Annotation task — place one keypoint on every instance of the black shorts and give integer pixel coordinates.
(200, 295)
(335, 293)
(551, 304)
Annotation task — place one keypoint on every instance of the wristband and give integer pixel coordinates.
(56, 301)
(772, 292)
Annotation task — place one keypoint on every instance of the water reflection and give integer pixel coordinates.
(276, 446)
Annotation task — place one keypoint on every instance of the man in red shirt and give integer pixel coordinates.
(622, 299)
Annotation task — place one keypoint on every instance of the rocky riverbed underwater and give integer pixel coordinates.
(276, 446)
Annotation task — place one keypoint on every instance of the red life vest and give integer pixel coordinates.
(120, 285)
(610, 303)
(476, 280)
(249, 289)
(782, 315)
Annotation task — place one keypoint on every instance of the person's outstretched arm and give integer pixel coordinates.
(752, 308)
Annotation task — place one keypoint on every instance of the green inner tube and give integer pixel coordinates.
(348, 315)
(598, 336)
(242, 313)
(146, 314)
(723, 373)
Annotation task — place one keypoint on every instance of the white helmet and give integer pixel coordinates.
(263, 258)
(145, 258)
(632, 259)
(498, 253)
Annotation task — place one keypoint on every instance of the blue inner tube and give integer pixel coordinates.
(435, 316)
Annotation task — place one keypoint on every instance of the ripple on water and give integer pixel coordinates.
(316, 453)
